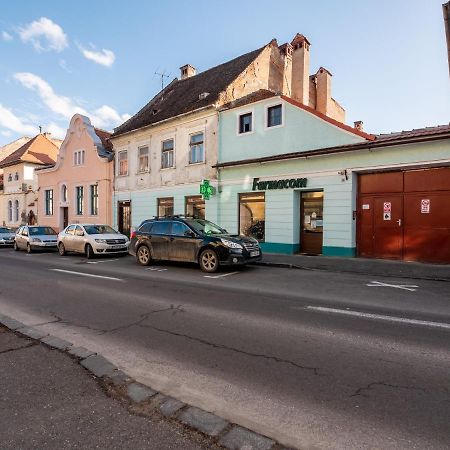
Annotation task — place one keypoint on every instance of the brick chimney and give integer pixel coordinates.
(323, 102)
(187, 71)
(286, 52)
(300, 69)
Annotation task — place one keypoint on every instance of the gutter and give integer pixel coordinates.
(336, 150)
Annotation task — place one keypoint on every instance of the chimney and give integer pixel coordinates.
(187, 71)
(286, 52)
(300, 69)
(359, 125)
(323, 103)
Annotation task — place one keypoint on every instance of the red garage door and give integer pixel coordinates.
(405, 215)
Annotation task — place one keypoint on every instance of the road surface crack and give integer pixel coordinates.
(360, 390)
(315, 370)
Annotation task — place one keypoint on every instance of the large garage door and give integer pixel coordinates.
(405, 215)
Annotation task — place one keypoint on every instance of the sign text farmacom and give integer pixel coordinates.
(291, 183)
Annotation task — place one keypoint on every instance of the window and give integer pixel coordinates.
(160, 227)
(196, 151)
(10, 177)
(78, 158)
(49, 202)
(79, 195)
(167, 154)
(143, 159)
(179, 229)
(16, 211)
(146, 227)
(10, 211)
(123, 163)
(274, 116)
(70, 230)
(16, 176)
(94, 199)
(252, 215)
(245, 123)
(195, 207)
(64, 193)
(165, 207)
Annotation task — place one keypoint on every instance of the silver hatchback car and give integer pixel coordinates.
(6, 237)
(30, 237)
(92, 240)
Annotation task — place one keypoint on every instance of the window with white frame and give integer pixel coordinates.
(49, 202)
(123, 162)
(94, 199)
(196, 148)
(78, 158)
(143, 159)
(245, 123)
(79, 190)
(167, 153)
(274, 116)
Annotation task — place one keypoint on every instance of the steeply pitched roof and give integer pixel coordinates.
(39, 150)
(183, 96)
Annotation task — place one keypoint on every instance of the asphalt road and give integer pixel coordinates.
(313, 359)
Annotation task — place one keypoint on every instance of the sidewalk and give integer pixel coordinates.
(48, 401)
(380, 267)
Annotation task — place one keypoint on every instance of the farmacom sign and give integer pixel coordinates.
(291, 183)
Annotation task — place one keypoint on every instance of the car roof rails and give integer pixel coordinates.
(172, 216)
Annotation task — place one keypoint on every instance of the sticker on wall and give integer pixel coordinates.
(425, 206)
(387, 207)
(387, 216)
(366, 206)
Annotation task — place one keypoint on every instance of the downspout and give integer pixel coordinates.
(446, 11)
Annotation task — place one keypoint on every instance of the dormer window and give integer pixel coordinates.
(203, 95)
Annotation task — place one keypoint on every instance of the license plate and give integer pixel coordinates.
(253, 254)
(115, 247)
(51, 244)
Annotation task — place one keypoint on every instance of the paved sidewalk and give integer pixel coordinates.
(380, 267)
(48, 401)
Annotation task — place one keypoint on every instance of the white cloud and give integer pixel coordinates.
(14, 123)
(6, 133)
(104, 57)
(103, 117)
(44, 34)
(56, 130)
(6, 36)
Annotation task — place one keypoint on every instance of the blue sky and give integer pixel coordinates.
(388, 58)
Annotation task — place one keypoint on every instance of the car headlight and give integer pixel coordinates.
(101, 241)
(230, 244)
(36, 240)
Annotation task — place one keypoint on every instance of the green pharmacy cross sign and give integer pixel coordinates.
(207, 190)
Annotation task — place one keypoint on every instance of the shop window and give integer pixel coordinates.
(252, 216)
(49, 202)
(123, 163)
(196, 149)
(165, 207)
(245, 123)
(274, 116)
(195, 207)
(143, 159)
(94, 199)
(167, 154)
(79, 195)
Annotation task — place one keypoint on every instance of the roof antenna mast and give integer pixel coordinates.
(162, 75)
(40, 129)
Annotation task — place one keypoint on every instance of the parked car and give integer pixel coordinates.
(30, 237)
(193, 240)
(92, 240)
(6, 237)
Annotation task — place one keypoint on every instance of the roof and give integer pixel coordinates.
(382, 140)
(106, 151)
(183, 96)
(7, 149)
(39, 150)
(254, 97)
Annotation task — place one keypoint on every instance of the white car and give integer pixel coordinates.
(7, 237)
(92, 240)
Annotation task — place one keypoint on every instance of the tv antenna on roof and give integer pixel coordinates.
(162, 75)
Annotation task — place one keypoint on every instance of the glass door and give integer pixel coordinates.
(311, 234)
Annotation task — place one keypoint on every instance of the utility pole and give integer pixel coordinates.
(446, 11)
(162, 75)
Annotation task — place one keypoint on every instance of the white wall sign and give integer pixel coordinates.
(387, 215)
(425, 206)
(366, 206)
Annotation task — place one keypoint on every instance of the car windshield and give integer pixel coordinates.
(37, 231)
(99, 229)
(205, 227)
(5, 230)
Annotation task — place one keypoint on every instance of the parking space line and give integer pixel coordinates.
(83, 274)
(220, 276)
(156, 269)
(102, 261)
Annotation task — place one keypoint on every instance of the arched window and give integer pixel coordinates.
(64, 193)
(16, 176)
(10, 211)
(16, 211)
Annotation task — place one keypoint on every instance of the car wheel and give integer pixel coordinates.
(16, 247)
(209, 261)
(90, 252)
(61, 249)
(29, 250)
(143, 255)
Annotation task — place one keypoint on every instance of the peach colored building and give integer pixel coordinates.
(78, 188)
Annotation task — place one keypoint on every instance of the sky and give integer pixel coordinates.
(99, 58)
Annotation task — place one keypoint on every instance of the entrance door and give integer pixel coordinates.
(124, 217)
(64, 217)
(311, 235)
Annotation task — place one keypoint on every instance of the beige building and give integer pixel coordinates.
(166, 149)
(19, 197)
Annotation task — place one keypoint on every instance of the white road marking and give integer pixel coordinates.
(156, 269)
(406, 287)
(346, 312)
(83, 274)
(220, 276)
(102, 261)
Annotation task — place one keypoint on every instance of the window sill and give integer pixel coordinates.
(196, 164)
(274, 126)
(246, 133)
(163, 169)
(122, 176)
(144, 172)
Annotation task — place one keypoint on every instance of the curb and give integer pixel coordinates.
(326, 269)
(138, 396)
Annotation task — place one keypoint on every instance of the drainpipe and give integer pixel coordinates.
(446, 11)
